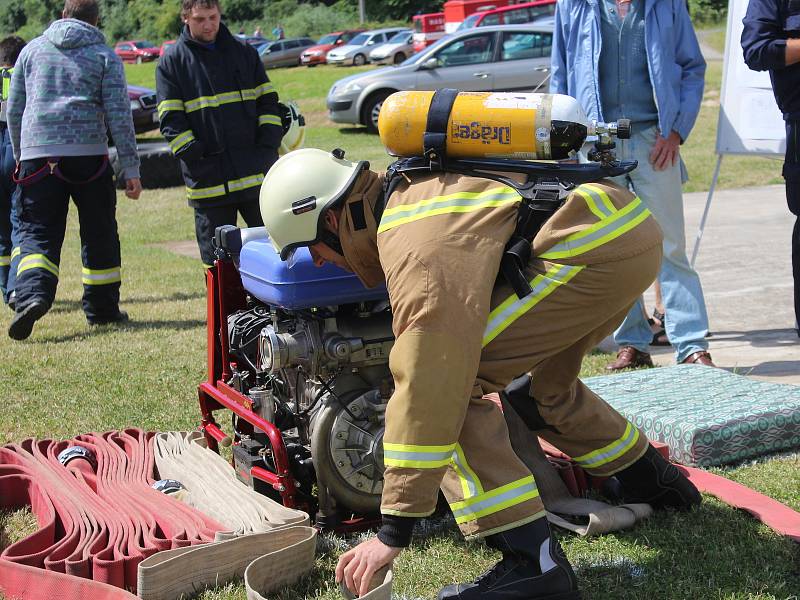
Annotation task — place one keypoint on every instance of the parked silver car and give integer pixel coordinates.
(501, 58)
(356, 51)
(284, 53)
(395, 51)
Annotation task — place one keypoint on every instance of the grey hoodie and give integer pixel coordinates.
(67, 85)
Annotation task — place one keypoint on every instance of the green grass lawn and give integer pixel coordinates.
(68, 379)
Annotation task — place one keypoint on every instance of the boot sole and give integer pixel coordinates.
(21, 328)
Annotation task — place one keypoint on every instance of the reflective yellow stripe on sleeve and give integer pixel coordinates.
(459, 202)
(514, 307)
(270, 120)
(416, 456)
(602, 232)
(15, 252)
(167, 105)
(597, 200)
(5, 260)
(612, 451)
(101, 276)
(495, 500)
(180, 141)
(264, 88)
(37, 261)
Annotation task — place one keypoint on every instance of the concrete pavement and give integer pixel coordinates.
(744, 263)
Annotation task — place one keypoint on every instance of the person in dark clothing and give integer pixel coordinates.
(10, 48)
(771, 42)
(68, 88)
(220, 115)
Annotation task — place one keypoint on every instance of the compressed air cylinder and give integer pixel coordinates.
(487, 125)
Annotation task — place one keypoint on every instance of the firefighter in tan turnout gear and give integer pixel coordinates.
(462, 333)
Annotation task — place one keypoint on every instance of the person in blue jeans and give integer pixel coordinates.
(10, 47)
(640, 60)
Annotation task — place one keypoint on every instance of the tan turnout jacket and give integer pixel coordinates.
(462, 333)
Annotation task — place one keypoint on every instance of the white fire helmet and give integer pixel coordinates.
(294, 128)
(297, 191)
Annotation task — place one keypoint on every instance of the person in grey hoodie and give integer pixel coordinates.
(68, 87)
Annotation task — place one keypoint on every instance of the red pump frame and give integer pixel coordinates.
(225, 295)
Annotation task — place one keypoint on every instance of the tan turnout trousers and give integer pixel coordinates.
(461, 333)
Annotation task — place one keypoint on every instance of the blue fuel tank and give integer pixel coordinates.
(268, 278)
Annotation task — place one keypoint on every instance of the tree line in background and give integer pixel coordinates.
(158, 20)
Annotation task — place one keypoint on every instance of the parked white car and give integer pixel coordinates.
(356, 51)
(395, 51)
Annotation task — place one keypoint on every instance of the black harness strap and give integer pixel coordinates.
(435, 138)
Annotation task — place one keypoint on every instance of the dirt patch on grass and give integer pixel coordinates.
(182, 248)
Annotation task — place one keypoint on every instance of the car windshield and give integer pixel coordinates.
(469, 22)
(399, 38)
(328, 39)
(144, 44)
(425, 54)
(359, 40)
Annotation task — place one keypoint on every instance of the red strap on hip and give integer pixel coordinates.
(51, 168)
(98, 519)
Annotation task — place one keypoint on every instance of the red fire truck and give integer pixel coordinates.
(427, 29)
(455, 11)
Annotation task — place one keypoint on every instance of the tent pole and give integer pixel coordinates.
(705, 210)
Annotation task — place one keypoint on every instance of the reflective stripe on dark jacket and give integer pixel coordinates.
(767, 26)
(219, 113)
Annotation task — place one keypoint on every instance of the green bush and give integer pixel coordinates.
(708, 12)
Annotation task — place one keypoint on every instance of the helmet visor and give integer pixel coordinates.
(291, 258)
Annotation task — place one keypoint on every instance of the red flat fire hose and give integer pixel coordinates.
(99, 519)
(775, 515)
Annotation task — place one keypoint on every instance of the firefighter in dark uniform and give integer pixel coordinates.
(771, 41)
(220, 115)
(68, 89)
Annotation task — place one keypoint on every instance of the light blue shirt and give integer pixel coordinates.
(625, 88)
(675, 64)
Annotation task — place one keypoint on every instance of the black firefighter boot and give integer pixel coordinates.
(533, 567)
(653, 480)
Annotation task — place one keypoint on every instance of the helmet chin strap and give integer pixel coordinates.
(332, 241)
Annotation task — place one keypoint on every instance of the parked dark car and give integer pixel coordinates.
(143, 108)
(137, 51)
(256, 41)
(284, 53)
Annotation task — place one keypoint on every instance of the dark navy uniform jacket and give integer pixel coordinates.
(767, 26)
(220, 115)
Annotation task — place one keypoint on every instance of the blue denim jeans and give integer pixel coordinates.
(686, 318)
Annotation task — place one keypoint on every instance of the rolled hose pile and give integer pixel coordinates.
(103, 529)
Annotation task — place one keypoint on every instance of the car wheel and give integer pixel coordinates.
(399, 57)
(359, 60)
(372, 108)
(138, 60)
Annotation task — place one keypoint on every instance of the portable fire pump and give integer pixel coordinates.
(300, 355)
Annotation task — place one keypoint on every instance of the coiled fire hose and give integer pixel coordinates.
(103, 528)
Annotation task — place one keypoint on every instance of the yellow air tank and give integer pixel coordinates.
(488, 125)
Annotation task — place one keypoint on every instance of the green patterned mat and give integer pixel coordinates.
(706, 416)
